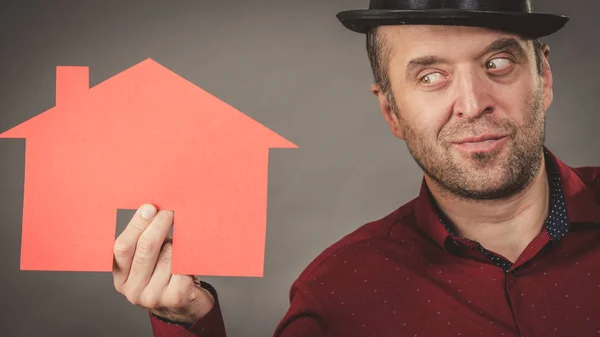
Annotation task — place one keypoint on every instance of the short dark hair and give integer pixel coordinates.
(378, 55)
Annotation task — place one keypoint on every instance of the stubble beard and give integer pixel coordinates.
(485, 176)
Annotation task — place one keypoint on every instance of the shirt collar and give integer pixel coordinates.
(574, 198)
(581, 191)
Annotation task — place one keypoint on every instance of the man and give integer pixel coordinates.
(503, 239)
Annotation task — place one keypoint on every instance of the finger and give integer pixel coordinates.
(146, 252)
(124, 247)
(180, 292)
(152, 294)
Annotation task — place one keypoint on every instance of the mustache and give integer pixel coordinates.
(468, 129)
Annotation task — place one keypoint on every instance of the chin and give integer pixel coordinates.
(485, 180)
(486, 187)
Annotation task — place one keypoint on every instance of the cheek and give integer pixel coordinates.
(432, 120)
(423, 125)
(424, 115)
(515, 108)
(433, 109)
(516, 100)
(426, 127)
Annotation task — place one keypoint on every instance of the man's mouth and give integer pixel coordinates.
(479, 139)
(483, 143)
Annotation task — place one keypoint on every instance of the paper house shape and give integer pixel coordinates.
(145, 135)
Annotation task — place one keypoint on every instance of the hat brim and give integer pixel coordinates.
(532, 25)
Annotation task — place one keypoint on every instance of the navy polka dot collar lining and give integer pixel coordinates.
(557, 224)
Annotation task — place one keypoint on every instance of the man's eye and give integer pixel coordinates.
(431, 78)
(498, 63)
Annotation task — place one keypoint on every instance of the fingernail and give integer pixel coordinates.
(148, 211)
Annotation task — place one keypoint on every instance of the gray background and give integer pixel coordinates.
(288, 64)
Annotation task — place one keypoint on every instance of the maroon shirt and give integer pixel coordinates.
(407, 274)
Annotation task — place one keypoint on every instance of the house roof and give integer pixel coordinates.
(146, 98)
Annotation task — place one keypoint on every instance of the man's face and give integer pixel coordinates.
(470, 104)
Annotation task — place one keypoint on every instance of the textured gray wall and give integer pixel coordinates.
(288, 64)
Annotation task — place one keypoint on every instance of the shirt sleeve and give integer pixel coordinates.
(211, 325)
(305, 317)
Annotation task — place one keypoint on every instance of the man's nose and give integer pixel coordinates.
(472, 94)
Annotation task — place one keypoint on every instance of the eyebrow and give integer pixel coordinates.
(505, 44)
(419, 62)
(501, 44)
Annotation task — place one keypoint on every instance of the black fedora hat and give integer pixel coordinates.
(513, 16)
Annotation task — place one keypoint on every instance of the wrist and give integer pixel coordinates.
(161, 318)
(202, 305)
(197, 309)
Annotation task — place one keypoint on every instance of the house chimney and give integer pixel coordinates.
(71, 83)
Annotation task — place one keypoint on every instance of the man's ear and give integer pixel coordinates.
(546, 78)
(390, 116)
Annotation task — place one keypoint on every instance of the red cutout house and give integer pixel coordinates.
(144, 135)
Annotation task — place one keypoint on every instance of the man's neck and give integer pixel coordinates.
(505, 226)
